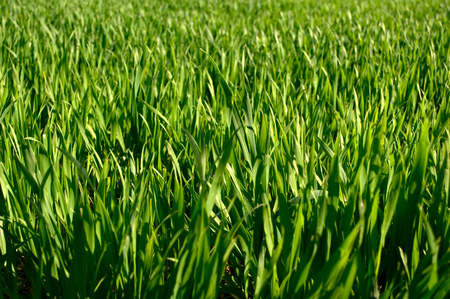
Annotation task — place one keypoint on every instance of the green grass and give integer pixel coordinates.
(224, 149)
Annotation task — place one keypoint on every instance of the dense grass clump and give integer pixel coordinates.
(224, 149)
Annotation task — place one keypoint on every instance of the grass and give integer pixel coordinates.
(224, 149)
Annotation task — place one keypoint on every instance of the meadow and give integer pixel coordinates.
(224, 149)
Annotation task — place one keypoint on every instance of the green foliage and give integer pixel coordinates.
(224, 149)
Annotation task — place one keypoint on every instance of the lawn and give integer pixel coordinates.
(224, 149)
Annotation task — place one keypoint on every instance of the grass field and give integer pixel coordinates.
(224, 149)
